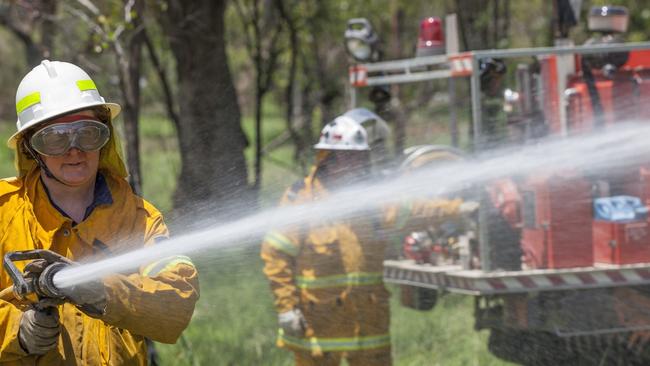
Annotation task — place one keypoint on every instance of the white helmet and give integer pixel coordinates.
(343, 133)
(52, 89)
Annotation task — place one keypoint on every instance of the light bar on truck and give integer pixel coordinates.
(431, 38)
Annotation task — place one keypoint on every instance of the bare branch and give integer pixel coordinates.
(274, 53)
(8, 19)
(118, 32)
(83, 16)
(162, 75)
(90, 6)
(248, 41)
(117, 46)
(127, 11)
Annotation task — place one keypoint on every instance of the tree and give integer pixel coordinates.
(483, 25)
(120, 26)
(211, 139)
(262, 32)
(32, 22)
(290, 89)
(129, 61)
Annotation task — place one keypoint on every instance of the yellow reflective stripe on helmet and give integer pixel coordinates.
(281, 243)
(155, 268)
(336, 344)
(348, 279)
(84, 85)
(28, 101)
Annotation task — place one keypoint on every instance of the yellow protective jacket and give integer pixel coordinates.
(156, 302)
(332, 271)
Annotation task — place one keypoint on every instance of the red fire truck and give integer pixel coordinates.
(569, 283)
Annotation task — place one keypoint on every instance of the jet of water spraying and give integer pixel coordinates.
(598, 152)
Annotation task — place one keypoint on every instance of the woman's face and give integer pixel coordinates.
(75, 167)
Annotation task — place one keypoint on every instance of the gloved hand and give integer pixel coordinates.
(88, 296)
(468, 207)
(39, 330)
(293, 323)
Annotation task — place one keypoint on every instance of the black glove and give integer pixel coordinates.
(39, 330)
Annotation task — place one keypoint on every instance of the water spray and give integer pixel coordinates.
(625, 143)
(589, 152)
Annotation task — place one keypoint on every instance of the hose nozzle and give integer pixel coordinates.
(42, 284)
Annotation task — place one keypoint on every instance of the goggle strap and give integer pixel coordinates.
(40, 162)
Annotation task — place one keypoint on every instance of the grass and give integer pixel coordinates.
(278, 170)
(234, 322)
(442, 336)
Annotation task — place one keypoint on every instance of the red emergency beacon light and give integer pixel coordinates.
(430, 39)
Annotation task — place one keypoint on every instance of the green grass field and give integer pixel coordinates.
(234, 322)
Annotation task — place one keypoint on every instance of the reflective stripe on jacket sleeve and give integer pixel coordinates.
(281, 242)
(155, 268)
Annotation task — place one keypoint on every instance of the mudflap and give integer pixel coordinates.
(585, 327)
(418, 298)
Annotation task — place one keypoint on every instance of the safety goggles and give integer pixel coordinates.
(57, 139)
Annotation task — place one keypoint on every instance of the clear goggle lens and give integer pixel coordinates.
(57, 139)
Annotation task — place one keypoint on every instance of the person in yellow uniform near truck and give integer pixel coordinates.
(71, 197)
(327, 276)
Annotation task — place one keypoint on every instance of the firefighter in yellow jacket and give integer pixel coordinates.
(327, 276)
(71, 197)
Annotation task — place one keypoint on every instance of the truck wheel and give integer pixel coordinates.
(529, 348)
(506, 344)
(418, 298)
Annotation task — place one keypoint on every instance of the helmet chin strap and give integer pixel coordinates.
(41, 163)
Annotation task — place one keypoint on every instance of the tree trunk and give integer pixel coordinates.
(397, 116)
(211, 139)
(495, 23)
(129, 60)
(477, 35)
(24, 29)
(330, 90)
(170, 104)
(290, 90)
(259, 98)
(48, 27)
